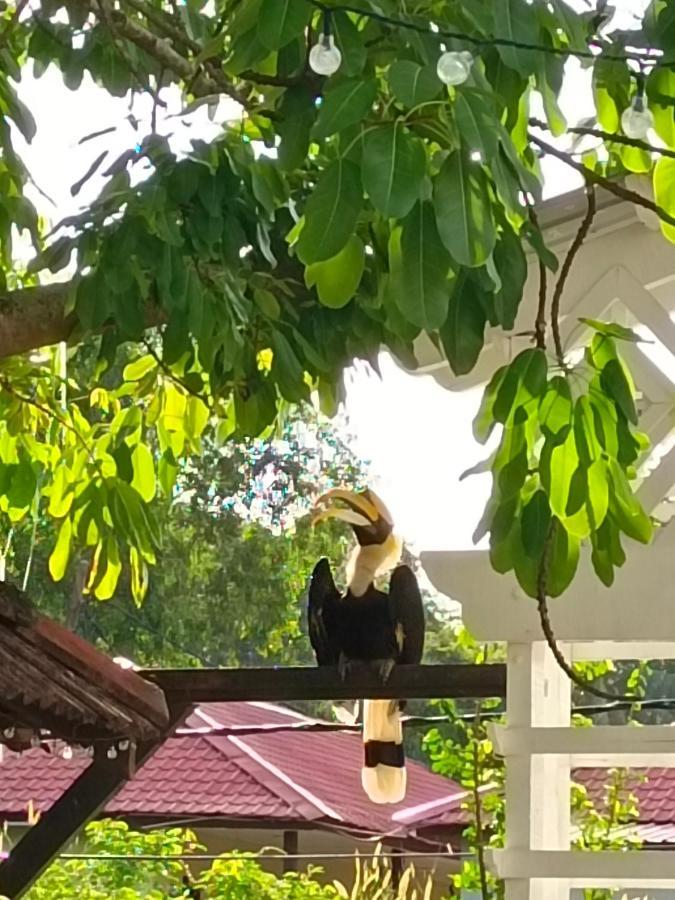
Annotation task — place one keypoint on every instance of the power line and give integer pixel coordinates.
(642, 56)
(280, 856)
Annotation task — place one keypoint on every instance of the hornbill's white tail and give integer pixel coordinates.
(383, 775)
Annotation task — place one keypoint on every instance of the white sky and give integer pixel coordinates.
(416, 435)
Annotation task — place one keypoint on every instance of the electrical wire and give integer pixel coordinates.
(280, 856)
(642, 56)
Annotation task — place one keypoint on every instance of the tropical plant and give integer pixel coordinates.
(158, 875)
(331, 215)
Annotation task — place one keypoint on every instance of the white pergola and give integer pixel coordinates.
(624, 272)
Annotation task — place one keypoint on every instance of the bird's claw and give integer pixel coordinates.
(344, 667)
(384, 668)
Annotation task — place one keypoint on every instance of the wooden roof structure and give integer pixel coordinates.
(54, 684)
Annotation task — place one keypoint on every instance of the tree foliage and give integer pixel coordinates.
(235, 876)
(237, 550)
(329, 218)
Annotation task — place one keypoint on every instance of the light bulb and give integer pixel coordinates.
(637, 120)
(67, 752)
(324, 57)
(454, 66)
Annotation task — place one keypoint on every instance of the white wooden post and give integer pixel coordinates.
(537, 814)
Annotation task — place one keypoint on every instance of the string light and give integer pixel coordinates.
(324, 57)
(112, 752)
(67, 752)
(638, 120)
(454, 66)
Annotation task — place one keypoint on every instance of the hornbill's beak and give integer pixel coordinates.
(364, 511)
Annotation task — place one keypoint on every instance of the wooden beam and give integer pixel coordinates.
(99, 782)
(305, 683)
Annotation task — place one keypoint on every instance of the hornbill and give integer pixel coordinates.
(368, 625)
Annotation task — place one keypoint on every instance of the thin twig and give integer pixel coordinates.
(610, 186)
(610, 137)
(45, 410)
(540, 321)
(565, 269)
(547, 628)
(167, 371)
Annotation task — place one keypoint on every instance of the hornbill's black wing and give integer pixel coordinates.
(407, 612)
(322, 615)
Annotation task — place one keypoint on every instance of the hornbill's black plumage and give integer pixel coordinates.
(368, 625)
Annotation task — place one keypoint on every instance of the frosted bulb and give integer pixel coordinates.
(637, 121)
(67, 752)
(324, 57)
(454, 66)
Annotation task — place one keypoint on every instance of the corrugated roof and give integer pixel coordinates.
(289, 777)
(53, 680)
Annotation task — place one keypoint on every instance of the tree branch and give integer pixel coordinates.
(611, 138)
(591, 177)
(162, 21)
(161, 49)
(579, 238)
(36, 317)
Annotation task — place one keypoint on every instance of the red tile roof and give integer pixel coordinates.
(287, 777)
(653, 788)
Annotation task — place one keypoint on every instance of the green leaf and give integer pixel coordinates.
(514, 20)
(140, 367)
(144, 472)
(55, 257)
(331, 213)
(557, 467)
(613, 330)
(536, 240)
(510, 464)
(598, 493)
(534, 524)
(587, 444)
(287, 370)
(611, 90)
(60, 555)
(563, 562)
(463, 211)
(344, 104)
(485, 420)
(524, 380)
(337, 279)
(393, 169)
(413, 84)
(105, 587)
(477, 123)
(549, 90)
(464, 329)
(626, 508)
(348, 41)
(555, 410)
(297, 112)
(280, 21)
(511, 264)
(615, 383)
(424, 292)
(22, 487)
(664, 192)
